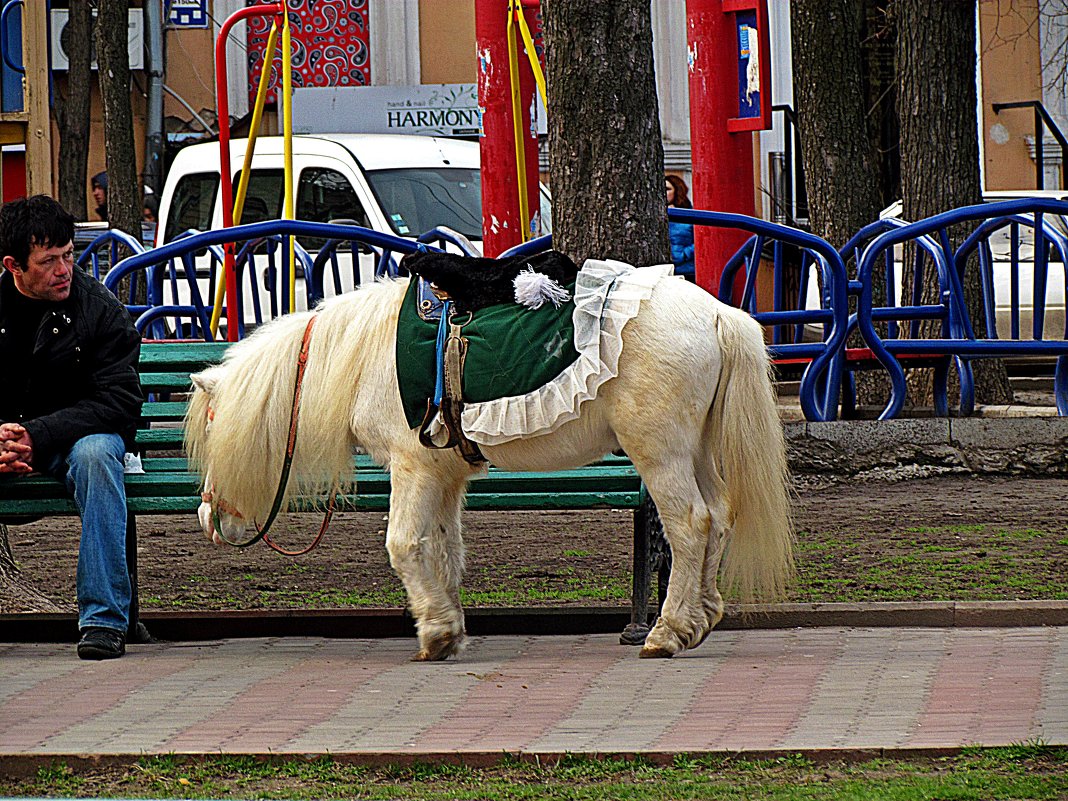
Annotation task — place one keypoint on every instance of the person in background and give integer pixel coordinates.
(99, 184)
(150, 209)
(71, 401)
(680, 234)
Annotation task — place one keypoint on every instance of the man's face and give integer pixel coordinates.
(46, 274)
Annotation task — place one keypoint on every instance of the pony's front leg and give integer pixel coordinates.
(425, 547)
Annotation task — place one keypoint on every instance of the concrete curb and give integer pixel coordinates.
(981, 445)
(380, 623)
(925, 614)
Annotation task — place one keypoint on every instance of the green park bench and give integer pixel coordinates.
(168, 486)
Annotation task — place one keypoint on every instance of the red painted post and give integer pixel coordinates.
(233, 313)
(722, 161)
(502, 227)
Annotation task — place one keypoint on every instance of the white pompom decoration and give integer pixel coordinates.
(534, 289)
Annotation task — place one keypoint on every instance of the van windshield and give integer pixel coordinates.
(417, 200)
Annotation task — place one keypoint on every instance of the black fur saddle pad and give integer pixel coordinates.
(474, 283)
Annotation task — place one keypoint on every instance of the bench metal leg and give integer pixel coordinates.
(651, 553)
(136, 632)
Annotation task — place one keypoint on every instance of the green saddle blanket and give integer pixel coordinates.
(512, 350)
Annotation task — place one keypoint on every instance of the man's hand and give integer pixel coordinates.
(16, 449)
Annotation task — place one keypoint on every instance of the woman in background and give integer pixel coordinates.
(680, 234)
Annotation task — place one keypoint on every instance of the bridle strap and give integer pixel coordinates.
(287, 464)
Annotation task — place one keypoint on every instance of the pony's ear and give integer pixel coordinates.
(205, 381)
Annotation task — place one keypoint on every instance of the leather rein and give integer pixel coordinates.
(287, 463)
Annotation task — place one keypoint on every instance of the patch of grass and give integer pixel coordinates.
(567, 588)
(329, 599)
(1025, 771)
(975, 562)
(577, 554)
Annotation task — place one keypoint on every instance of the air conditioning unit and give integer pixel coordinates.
(135, 37)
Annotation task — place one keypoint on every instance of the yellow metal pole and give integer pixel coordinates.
(257, 117)
(517, 120)
(532, 54)
(242, 184)
(287, 111)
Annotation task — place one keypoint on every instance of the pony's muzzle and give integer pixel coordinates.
(207, 523)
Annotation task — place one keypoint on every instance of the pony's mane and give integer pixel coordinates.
(251, 395)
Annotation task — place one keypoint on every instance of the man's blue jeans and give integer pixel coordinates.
(93, 471)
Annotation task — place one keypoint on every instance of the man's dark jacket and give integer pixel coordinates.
(82, 378)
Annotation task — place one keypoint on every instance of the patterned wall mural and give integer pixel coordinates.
(331, 45)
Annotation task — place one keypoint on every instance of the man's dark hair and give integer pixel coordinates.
(29, 221)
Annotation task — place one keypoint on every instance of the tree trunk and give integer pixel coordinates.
(939, 143)
(16, 594)
(72, 112)
(124, 196)
(841, 172)
(841, 162)
(606, 159)
(606, 167)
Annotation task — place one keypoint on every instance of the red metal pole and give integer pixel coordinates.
(722, 161)
(501, 225)
(225, 174)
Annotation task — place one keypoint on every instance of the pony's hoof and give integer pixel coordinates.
(426, 656)
(655, 652)
(441, 647)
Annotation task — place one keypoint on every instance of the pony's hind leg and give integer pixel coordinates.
(425, 548)
(687, 519)
(714, 492)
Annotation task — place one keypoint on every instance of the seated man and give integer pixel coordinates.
(70, 400)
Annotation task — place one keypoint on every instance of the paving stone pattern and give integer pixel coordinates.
(760, 690)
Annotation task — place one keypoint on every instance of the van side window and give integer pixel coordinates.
(263, 199)
(192, 204)
(324, 195)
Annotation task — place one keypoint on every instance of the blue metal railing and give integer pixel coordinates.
(182, 274)
(958, 339)
(810, 332)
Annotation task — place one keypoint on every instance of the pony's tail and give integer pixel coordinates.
(758, 559)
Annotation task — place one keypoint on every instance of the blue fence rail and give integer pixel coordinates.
(183, 275)
(1000, 297)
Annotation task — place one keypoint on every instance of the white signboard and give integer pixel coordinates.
(443, 109)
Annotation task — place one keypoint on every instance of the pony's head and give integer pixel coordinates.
(238, 424)
(219, 521)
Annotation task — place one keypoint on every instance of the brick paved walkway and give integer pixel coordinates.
(819, 688)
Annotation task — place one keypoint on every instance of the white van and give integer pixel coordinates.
(400, 185)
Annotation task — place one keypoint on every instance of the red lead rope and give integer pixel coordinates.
(291, 443)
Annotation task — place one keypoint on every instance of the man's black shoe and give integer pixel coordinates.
(101, 643)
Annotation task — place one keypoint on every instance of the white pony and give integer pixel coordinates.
(692, 406)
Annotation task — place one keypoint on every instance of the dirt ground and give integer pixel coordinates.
(1007, 536)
